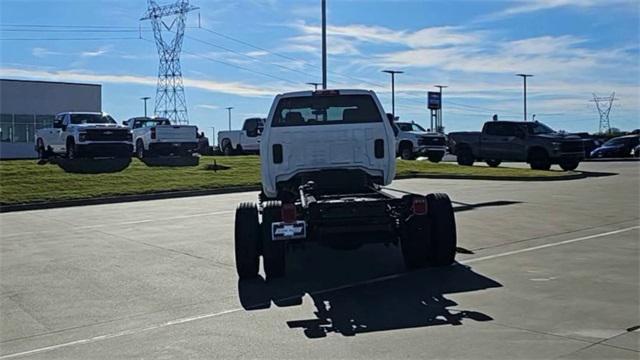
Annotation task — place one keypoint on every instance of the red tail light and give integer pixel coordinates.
(288, 212)
(419, 206)
(153, 133)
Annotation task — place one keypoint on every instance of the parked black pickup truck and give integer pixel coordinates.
(531, 142)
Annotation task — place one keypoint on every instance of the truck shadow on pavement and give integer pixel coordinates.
(351, 304)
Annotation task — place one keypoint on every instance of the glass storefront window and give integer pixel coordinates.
(44, 121)
(6, 127)
(24, 128)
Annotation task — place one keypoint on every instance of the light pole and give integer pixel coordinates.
(393, 89)
(524, 77)
(145, 104)
(439, 126)
(324, 44)
(229, 110)
(314, 84)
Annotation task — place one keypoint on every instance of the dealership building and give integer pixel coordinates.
(26, 106)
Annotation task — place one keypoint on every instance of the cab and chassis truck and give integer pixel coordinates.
(326, 159)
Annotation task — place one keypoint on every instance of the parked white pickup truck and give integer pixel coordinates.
(242, 141)
(84, 134)
(414, 140)
(156, 136)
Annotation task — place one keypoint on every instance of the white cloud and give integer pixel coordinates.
(98, 52)
(529, 6)
(208, 107)
(43, 52)
(234, 88)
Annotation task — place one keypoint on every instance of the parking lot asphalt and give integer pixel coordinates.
(546, 270)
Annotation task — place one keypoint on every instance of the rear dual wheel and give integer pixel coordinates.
(430, 239)
(247, 238)
(273, 252)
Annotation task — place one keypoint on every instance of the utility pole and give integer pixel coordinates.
(229, 110)
(324, 44)
(213, 136)
(145, 104)
(524, 77)
(439, 127)
(314, 84)
(393, 89)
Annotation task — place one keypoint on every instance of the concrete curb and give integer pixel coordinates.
(627, 159)
(571, 176)
(125, 198)
(237, 189)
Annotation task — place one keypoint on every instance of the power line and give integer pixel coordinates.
(68, 39)
(71, 30)
(69, 26)
(246, 55)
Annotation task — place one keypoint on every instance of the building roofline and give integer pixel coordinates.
(50, 82)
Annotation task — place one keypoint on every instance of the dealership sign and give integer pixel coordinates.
(434, 100)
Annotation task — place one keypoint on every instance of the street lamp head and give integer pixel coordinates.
(229, 108)
(393, 71)
(524, 75)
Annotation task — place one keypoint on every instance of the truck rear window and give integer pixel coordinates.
(91, 119)
(326, 110)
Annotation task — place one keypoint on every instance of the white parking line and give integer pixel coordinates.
(371, 281)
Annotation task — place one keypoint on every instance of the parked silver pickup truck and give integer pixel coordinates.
(531, 142)
(413, 140)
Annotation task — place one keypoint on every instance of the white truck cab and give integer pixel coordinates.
(324, 130)
(84, 134)
(245, 140)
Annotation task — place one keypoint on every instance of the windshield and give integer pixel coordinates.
(411, 127)
(91, 119)
(150, 123)
(539, 128)
(326, 110)
(616, 141)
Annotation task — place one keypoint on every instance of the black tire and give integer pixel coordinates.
(539, 160)
(493, 162)
(443, 238)
(406, 152)
(569, 165)
(247, 237)
(227, 149)
(273, 252)
(436, 158)
(42, 152)
(465, 157)
(72, 151)
(140, 149)
(414, 242)
(239, 150)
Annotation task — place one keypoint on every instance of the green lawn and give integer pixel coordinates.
(23, 181)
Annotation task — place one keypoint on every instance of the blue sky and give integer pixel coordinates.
(573, 47)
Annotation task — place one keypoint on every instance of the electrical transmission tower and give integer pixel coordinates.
(168, 23)
(604, 104)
